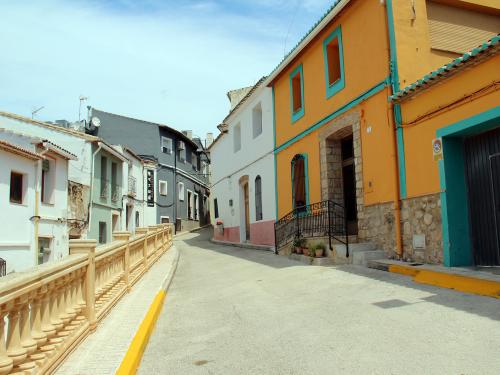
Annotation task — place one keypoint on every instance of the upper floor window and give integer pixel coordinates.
(114, 182)
(297, 93)
(334, 62)
(162, 187)
(166, 145)
(16, 187)
(194, 161)
(182, 151)
(48, 181)
(180, 187)
(258, 198)
(237, 137)
(257, 120)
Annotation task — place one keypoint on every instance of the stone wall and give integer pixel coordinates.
(422, 216)
(376, 223)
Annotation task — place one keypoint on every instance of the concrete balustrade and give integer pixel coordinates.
(46, 311)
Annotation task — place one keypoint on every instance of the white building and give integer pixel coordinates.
(243, 196)
(33, 200)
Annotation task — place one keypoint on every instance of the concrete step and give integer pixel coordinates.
(362, 258)
(325, 261)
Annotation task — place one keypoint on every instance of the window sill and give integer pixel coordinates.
(297, 115)
(18, 204)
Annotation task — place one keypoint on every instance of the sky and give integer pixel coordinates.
(166, 61)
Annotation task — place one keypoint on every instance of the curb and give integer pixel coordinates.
(132, 358)
(243, 245)
(482, 287)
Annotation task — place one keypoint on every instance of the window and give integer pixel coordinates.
(258, 198)
(182, 151)
(164, 219)
(104, 177)
(297, 93)
(48, 181)
(163, 187)
(194, 161)
(16, 187)
(334, 62)
(257, 120)
(102, 232)
(299, 181)
(44, 249)
(137, 223)
(114, 184)
(180, 187)
(204, 169)
(216, 208)
(166, 145)
(237, 138)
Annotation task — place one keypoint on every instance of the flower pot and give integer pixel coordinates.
(319, 253)
(305, 250)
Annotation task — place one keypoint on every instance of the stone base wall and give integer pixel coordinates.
(376, 223)
(422, 216)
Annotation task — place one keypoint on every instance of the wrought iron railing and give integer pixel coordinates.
(115, 192)
(104, 188)
(321, 219)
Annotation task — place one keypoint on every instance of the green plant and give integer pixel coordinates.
(320, 246)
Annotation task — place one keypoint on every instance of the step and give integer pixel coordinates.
(325, 261)
(362, 258)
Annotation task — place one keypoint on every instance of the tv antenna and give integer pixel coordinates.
(35, 111)
(82, 99)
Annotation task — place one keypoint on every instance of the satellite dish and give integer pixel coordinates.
(95, 122)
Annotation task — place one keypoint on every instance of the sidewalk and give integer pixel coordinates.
(102, 352)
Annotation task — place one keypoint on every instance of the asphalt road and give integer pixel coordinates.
(238, 311)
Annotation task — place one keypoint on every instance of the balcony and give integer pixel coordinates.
(132, 186)
(104, 189)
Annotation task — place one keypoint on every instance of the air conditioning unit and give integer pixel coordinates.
(45, 165)
(182, 146)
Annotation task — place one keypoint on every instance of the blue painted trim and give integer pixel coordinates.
(275, 158)
(367, 94)
(340, 83)
(299, 113)
(396, 108)
(468, 126)
(306, 171)
(444, 215)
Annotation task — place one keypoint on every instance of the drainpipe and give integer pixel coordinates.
(92, 184)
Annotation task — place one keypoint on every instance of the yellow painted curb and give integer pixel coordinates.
(136, 349)
(451, 281)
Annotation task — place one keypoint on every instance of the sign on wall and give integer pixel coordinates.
(150, 187)
(437, 148)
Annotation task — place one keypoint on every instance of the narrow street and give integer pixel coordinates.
(238, 311)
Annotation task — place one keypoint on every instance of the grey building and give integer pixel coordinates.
(182, 176)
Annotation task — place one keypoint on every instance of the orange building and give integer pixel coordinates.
(339, 139)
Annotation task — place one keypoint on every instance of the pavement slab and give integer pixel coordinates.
(101, 353)
(241, 311)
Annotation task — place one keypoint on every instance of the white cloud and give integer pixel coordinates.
(170, 64)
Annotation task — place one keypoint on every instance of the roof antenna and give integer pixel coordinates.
(290, 26)
(35, 111)
(82, 99)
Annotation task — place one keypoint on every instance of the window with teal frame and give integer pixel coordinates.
(334, 63)
(297, 93)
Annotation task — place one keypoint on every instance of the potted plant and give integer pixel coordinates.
(319, 250)
(303, 246)
(297, 245)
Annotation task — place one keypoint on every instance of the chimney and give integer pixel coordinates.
(209, 140)
(188, 133)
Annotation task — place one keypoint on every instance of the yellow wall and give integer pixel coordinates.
(414, 53)
(366, 63)
(365, 46)
(422, 175)
(378, 167)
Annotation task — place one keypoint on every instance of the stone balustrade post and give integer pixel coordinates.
(154, 229)
(144, 232)
(125, 236)
(14, 348)
(6, 363)
(27, 341)
(87, 247)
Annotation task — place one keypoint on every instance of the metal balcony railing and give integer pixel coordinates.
(116, 191)
(104, 188)
(321, 219)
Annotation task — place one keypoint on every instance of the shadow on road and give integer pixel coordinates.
(481, 306)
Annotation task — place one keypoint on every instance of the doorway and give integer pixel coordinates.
(482, 170)
(349, 184)
(247, 211)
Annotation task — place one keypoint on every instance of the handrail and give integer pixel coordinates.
(320, 219)
(50, 308)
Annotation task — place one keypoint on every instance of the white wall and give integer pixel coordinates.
(16, 229)
(254, 158)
